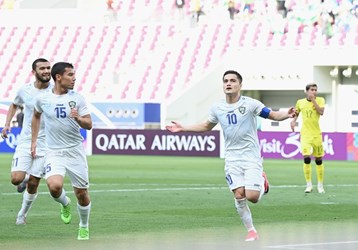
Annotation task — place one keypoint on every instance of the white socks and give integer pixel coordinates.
(84, 213)
(27, 200)
(245, 213)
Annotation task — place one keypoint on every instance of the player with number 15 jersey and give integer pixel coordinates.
(56, 110)
(65, 112)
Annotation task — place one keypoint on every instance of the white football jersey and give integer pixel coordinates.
(26, 97)
(61, 131)
(239, 125)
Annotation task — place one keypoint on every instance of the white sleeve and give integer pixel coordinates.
(37, 105)
(82, 106)
(212, 115)
(19, 101)
(257, 107)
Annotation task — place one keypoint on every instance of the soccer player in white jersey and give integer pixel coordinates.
(64, 113)
(24, 168)
(243, 162)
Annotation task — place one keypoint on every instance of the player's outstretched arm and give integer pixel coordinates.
(282, 114)
(175, 127)
(201, 127)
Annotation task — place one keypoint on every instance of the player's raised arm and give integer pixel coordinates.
(318, 108)
(200, 127)
(282, 114)
(84, 121)
(35, 127)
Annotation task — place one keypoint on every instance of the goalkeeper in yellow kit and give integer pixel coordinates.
(311, 108)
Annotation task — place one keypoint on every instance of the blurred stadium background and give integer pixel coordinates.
(153, 51)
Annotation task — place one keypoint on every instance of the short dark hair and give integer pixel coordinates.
(235, 73)
(310, 85)
(60, 68)
(34, 64)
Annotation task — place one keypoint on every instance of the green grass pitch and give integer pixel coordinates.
(157, 202)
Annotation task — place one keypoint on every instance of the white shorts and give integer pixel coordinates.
(244, 174)
(70, 161)
(22, 161)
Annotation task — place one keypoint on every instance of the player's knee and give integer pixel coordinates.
(16, 179)
(307, 160)
(33, 184)
(319, 161)
(239, 193)
(82, 197)
(55, 189)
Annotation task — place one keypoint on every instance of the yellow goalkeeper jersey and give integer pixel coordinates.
(310, 117)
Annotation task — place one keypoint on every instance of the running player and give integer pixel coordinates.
(65, 112)
(243, 163)
(24, 168)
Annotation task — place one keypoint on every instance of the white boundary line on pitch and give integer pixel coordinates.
(139, 190)
(303, 246)
(211, 185)
(194, 187)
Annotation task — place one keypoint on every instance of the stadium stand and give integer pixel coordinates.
(150, 60)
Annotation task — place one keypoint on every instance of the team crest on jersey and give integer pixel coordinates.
(72, 104)
(242, 110)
